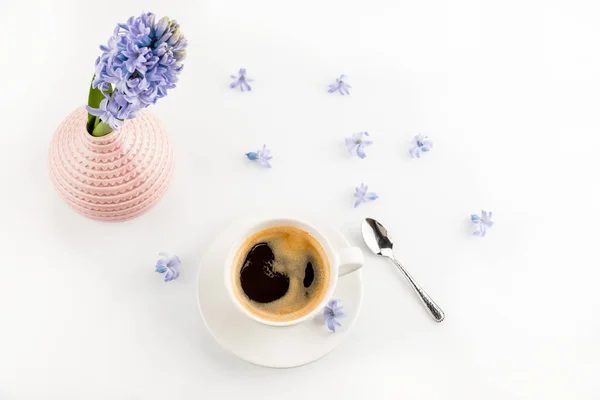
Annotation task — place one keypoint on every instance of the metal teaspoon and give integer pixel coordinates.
(379, 242)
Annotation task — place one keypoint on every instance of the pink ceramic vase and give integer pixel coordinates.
(115, 177)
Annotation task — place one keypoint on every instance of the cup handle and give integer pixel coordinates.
(350, 260)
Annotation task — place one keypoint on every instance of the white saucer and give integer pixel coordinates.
(268, 346)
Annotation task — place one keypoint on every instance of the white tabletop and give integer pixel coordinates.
(508, 92)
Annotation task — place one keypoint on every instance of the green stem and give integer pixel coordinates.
(101, 129)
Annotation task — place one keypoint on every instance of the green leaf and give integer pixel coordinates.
(101, 129)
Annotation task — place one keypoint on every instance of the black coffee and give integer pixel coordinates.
(281, 274)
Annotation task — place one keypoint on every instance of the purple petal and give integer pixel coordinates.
(353, 150)
(340, 314)
(331, 325)
(244, 84)
(172, 273)
(94, 111)
(357, 202)
(174, 262)
(360, 151)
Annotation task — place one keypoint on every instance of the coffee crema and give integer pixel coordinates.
(281, 273)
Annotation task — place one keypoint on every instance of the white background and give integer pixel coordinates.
(508, 91)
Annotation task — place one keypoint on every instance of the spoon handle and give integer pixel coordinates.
(435, 311)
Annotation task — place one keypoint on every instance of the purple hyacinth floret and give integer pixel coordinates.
(262, 156)
(332, 312)
(482, 223)
(169, 265)
(340, 86)
(138, 65)
(362, 194)
(241, 81)
(357, 143)
(108, 112)
(421, 144)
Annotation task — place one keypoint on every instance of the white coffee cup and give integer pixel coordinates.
(341, 262)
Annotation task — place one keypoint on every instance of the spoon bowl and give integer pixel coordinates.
(379, 242)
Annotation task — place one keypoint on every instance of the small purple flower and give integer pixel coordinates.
(482, 223)
(135, 58)
(421, 144)
(357, 143)
(340, 86)
(262, 156)
(362, 195)
(169, 265)
(331, 312)
(241, 81)
(108, 112)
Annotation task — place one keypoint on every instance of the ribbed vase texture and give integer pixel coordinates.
(115, 177)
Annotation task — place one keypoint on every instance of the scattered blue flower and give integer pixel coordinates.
(340, 86)
(357, 143)
(141, 61)
(168, 265)
(331, 312)
(421, 144)
(362, 195)
(241, 81)
(482, 223)
(262, 156)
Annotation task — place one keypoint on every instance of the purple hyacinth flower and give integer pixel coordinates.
(357, 143)
(420, 144)
(241, 81)
(332, 312)
(362, 194)
(482, 223)
(108, 112)
(340, 86)
(136, 59)
(262, 156)
(168, 265)
(139, 64)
